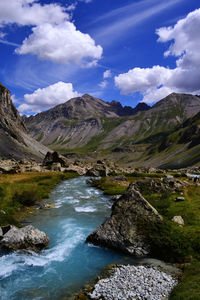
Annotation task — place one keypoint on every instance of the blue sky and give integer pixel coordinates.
(122, 50)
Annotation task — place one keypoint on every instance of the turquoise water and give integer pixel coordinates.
(69, 262)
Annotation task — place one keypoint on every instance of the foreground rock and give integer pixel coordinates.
(131, 282)
(26, 238)
(122, 231)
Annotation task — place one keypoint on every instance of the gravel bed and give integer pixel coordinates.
(134, 282)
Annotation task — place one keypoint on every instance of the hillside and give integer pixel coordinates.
(76, 122)
(15, 140)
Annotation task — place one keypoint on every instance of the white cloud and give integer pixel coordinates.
(103, 84)
(159, 81)
(50, 96)
(53, 36)
(60, 43)
(29, 12)
(107, 74)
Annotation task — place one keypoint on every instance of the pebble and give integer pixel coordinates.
(134, 282)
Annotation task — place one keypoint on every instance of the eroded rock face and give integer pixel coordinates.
(26, 238)
(122, 230)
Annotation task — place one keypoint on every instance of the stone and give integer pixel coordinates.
(1, 232)
(121, 231)
(179, 199)
(178, 219)
(56, 166)
(26, 238)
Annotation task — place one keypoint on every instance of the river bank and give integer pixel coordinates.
(22, 193)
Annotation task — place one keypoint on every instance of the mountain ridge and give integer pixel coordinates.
(15, 140)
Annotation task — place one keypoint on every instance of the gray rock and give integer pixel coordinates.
(121, 231)
(179, 199)
(28, 238)
(178, 219)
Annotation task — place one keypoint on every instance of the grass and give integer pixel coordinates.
(188, 288)
(109, 187)
(19, 192)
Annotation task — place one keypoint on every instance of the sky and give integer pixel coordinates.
(126, 50)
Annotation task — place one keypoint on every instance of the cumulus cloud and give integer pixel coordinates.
(30, 12)
(157, 82)
(53, 36)
(60, 43)
(107, 74)
(50, 96)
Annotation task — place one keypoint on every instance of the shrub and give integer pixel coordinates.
(27, 198)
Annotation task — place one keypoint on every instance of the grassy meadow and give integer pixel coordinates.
(20, 192)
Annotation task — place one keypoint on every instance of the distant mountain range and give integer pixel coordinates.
(166, 134)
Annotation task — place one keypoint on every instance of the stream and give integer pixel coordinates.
(69, 263)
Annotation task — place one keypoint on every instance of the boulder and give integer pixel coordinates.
(178, 219)
(54, 157)
(26, 238)
(122, 231)
(98, 170)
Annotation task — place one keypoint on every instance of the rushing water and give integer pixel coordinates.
(69, 262)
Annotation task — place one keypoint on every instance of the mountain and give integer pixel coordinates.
(184, 142)
(15, 140)
(74, 123)
(139, 136)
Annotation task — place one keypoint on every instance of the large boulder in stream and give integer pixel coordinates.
(26, 238)
(122, 231)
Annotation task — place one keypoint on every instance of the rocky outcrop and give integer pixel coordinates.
(15, 141)
(122, 231)
(26, 238)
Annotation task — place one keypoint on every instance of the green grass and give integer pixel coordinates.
(188, 288)
(109, 187)
(19, 192)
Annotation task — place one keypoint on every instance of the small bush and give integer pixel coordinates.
(27, 198)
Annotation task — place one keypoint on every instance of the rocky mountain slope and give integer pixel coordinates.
(15, 140)
(73, 124)
(87, 124)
